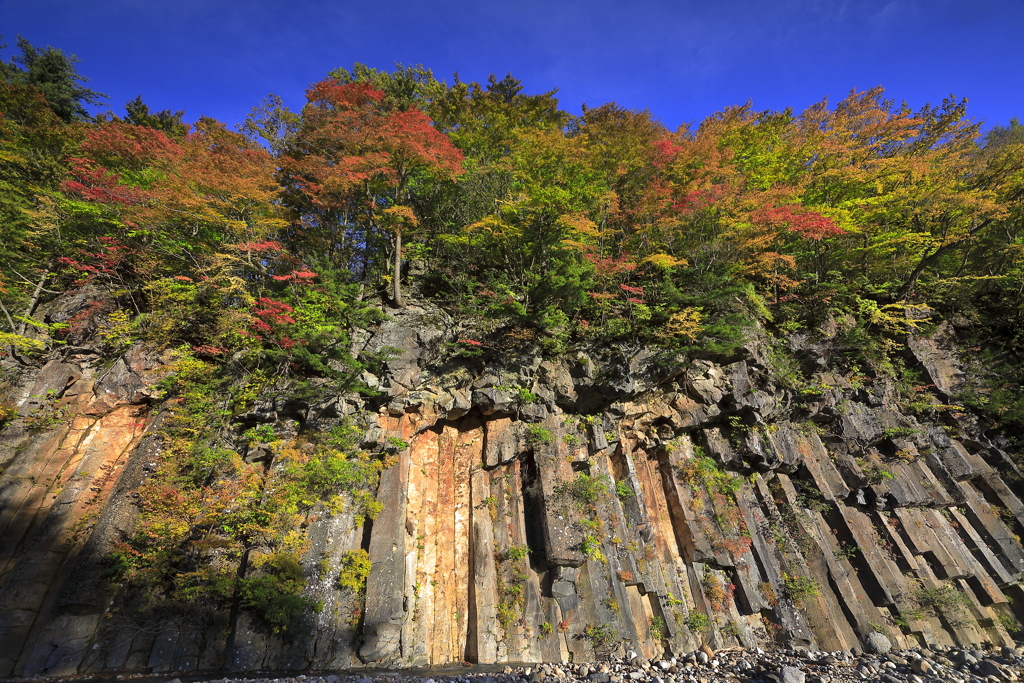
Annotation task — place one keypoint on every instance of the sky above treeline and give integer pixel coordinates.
(681, 59)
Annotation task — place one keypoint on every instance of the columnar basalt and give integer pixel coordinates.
(540, 509)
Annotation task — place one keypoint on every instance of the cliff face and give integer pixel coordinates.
(540, 509)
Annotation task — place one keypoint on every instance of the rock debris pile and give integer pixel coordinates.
(732, 665)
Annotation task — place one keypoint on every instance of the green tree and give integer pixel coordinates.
(138, 113)
(34, 144)
(52, 73)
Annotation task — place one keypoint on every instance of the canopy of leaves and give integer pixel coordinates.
(604, 225)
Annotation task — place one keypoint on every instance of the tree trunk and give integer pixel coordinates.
(10, 350)
(35, 297)
(10, 321)
(933, 257)
(397, 274)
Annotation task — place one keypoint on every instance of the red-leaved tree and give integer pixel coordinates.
(352, 163)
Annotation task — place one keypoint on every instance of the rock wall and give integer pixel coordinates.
(543, 510)
(62, 461)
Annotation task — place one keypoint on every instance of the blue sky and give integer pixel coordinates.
(681, 59)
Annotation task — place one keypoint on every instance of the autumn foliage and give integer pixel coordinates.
(256, 256)
(607, 224)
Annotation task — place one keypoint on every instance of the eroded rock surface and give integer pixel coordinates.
(723, 509)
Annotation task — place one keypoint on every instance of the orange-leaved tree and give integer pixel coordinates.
(182, 208)
(352, 167)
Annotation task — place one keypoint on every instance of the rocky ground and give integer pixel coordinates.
(733, 665)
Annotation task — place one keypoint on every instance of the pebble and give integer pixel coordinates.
(934, 664)
(922, 666)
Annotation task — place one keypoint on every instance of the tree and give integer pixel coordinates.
(33, 145)
(181, 201)
(52, 73)
(354, 163)
(273, 123)
(137, 112)
(486, 122)
(533, 243)
(404, 88)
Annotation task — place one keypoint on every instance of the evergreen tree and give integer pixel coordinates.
(52, 73)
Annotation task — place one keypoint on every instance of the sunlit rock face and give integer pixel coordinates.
(538, 509)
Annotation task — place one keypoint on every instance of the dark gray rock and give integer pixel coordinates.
(533, 412)
(492, 400)
(986, 668)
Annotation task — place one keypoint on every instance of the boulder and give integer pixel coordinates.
(791, 674)
(876, 643)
